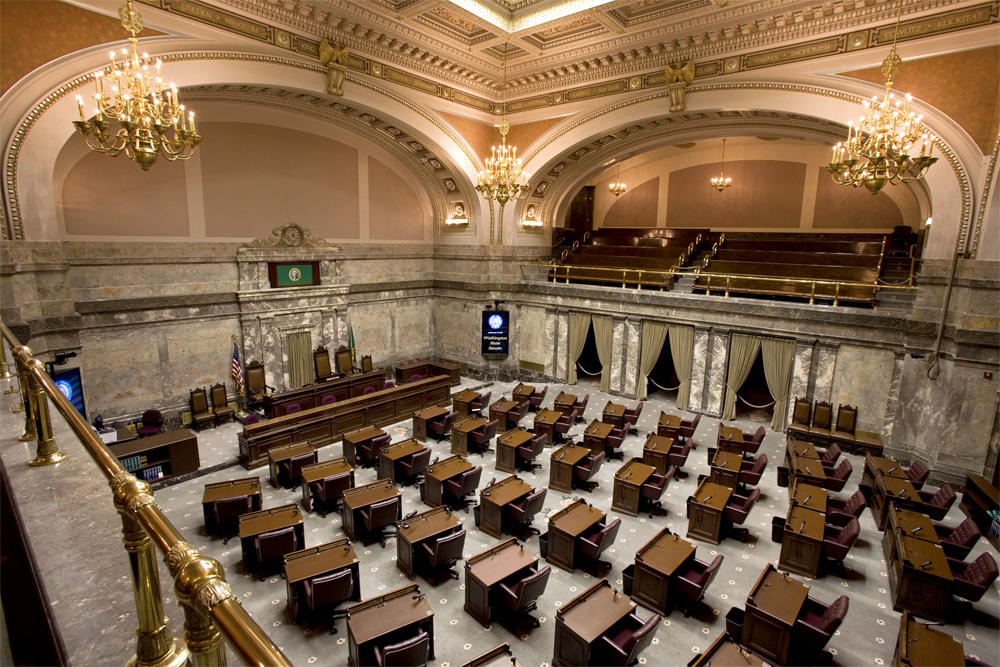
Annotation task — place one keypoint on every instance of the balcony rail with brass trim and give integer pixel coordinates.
(211, 610)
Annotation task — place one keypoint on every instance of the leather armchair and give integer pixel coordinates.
(937, 503)
(595, 541)
(370, 449)
(751, 471)
(514, 415)
(563, 425)
(830, 456)
(840, 511)
(837, 541)
(973, 579)
(412, 652)
(917, 473)
(152, 423)
(457, 488)
(585, 469)
(751, 443)
(957, 542)
(227, 513)
(411, 469)
(377, 516)
(480, 440)
(837, 478)
(480, 403)
(687, 428)
(535, 400)
(439, 428)
(527, 453)
(613, 444)
(623, 644)
(328, 491)
(581, 407)
(270, 549)
(694, 578)
(801, 414)
(443, 553)
(652, 489)
(293, 468)
(521, 596)
(631, 417)
(816, 624)
(518, 515)
(737, 510)
(677, 456)
(321, 595)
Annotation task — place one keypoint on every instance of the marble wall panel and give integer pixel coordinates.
(617, 354)
(373, 331)
(892, 404)
(716, 385)
(824, 362)
(412, 321)
(699, 366)
(534, 346)
(862, 376)
(631, 361)
(562, 347)
(800, 376)
(126, 280)
(457, 327)
(386, 269)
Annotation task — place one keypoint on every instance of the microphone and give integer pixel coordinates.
(892, 469)
(916, 530)
(806, 500)
(492, 481)
(435, 460)
(419, 596)
(411, 515)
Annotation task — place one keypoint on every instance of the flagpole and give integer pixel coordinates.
(241, 397)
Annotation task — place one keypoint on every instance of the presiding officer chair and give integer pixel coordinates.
(201, 414)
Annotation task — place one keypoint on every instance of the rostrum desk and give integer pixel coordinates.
(422, 418)
(276, 456)
(561, 466)
(317, 472)
(655, 566)
(377, 620)
(802, 541)
(493, 499)
(507, 445)
(564, 402)
(500, 413)
(428, 368)
(255, 523)
(485, 571)
(312, 395)
(581, 622)
(396, 453)
(627, 493)
(462, 402)
(364, 496)
(705, 510)
(726, 468)
(248, 487)
(656, 452)
(920, 580)
(545, 422)
(772, 607)
(415, 530)
(460, 431)
(438, 473)
(565, 529)
(353, 441)
(921, 646)
(327, 423)
(595, 436)
(613, 414)
(306, 564)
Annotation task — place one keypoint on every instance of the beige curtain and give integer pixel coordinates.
(682, 350)
(602, 337)
(300, 368)
(653, 335)
(743, 350)
(778, 358)
(578, 325)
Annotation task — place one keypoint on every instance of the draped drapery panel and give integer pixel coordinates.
(300, 368)
(743, 350)
(778, 356)
(602, 337)
(653, 335)
(682, 351)
(578, 324)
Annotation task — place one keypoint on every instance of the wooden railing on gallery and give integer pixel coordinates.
(211, 610)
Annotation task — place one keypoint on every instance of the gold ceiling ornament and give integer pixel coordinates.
(150, 118)
(721, 182)
(503, 178)
(617, 188)
(877, 151)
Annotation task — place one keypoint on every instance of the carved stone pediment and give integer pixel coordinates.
(290, 236)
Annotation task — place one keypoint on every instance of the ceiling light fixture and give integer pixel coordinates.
(617, 188)
(721, 182)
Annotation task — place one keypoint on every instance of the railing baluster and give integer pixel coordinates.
(836, 295)
(727, 284)
(47, 451)
(26, 398)
(812, 293)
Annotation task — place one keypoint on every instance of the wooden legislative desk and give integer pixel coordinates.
(725, 652)
(364, 496)
(726, 468)
(352, 441)
(705, 510)
(429, 368)
(438, 473)
(655, 565)
(306, 564)
(730, 439)
(328, 423)
(802, 541)
(373, 622)
(312, 395)
(507, 445)
(799, 448)
(613, 414)
(485, 571)
(808, 496)
(887, 489)
(581, 622)
(462, 401)
(415, 530)
(522, 392)
(255, 523)
(978, 498)
(248, 487)
(920, 579)
(565, 527)
(500, 413)
(772, 607)
(561, 466)
(460, 431)
(595, 435)
(501, 656)
(627, 491)
(545, 422)
(422, 418)
(394, 454)
(921, 646)
(668, 426)
(806, 470)
(656, 452)
(494, 497)
(175, 452)
(320, 471)
(281, 454)
(879, 465)
(564, 402)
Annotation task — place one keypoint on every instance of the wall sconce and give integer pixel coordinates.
(531, 220)
(457, 215)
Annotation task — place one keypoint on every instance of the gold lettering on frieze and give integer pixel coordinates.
(470, 100)
(793, 53)
(706, 69)
(221, 19)
(946, 23)
(529, 103)
(412, 81)
(305, 46)
(609, 88)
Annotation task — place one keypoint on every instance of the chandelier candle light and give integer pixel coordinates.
(721, 182)
(877, 151)
(151, 119)
(617, 188)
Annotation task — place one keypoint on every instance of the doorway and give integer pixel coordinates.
(300, 363)
(662, 382)
(753, 398)
(588, 364)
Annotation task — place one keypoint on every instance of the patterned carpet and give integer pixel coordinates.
(867, 636)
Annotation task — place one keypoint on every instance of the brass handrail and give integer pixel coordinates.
(211, 610)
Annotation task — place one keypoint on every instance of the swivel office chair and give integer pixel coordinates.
(328, 491)
(439, 428)
(270, 549)
(458, 488)
(613, 444)
(411, 652)
(529, 451)
(442, 554)
(520, 597)
(412, 470)
(595, 541)
(377, 516)
(957, 542)
(693, 579)
(816, 624)
(584, 471)
(323, 594)
(518, 515)
(631, 417)
(535, 400)
(627, 639)
(480, 403)
(227, 513)
(480, 440)
(293, 468)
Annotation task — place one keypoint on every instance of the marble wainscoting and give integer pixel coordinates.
(699, 369)
(824, 364)
(633, 344)
(532, 340)
(617, 355)
(715, 380)
(799, 387)
(862, 378)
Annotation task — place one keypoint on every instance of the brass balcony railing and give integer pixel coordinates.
(211, 610)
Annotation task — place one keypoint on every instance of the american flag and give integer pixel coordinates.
(237, 368)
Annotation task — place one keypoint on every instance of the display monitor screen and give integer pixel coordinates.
(496, 332)
(69, 384)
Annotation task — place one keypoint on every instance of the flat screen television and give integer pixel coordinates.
(70, 385)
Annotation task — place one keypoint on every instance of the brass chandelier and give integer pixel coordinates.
(878, 150)
(617, 188)
(150, 118)
(503, 178)
(721, 182)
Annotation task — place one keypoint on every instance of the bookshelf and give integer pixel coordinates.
(159, 456)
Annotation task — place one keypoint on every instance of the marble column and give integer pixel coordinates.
(328, 330)
(800, 375)
(699, 370)
(824, 362)
(342, 334)
(562, 347)
(551, 325)
(715, 378)
(632, 329)
(617, 354)
(893, 406)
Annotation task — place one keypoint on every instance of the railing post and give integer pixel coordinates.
(26, 397)
(47, 451)
(5, 373)
(200, 585)
(727, 285)
(155, 646)
(812, 293)
(836, 294)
